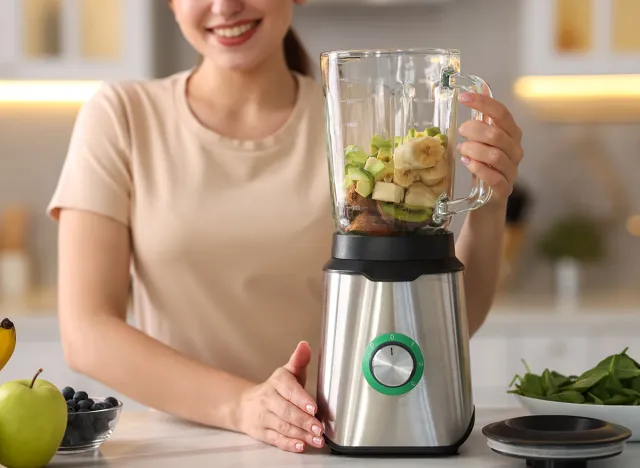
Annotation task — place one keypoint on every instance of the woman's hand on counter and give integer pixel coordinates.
(279, 411)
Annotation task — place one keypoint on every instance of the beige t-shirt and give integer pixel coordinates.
(229, 237)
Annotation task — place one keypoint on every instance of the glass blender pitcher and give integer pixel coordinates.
(391, 120)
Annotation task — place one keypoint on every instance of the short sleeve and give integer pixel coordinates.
(96, 173)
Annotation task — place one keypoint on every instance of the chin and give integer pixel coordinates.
(239, 63)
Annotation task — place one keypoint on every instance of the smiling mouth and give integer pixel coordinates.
(234, 31)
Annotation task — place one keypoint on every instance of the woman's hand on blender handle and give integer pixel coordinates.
(279, 411)
(492, 151)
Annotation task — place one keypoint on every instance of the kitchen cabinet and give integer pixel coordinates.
(76, 39)
(579, 37)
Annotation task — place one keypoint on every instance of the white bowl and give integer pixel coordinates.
(627, 416)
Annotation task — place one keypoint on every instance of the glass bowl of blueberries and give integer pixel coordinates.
(90, 421)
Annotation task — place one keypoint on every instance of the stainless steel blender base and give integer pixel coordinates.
(394, 372)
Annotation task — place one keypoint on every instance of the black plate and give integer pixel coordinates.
(556, 441)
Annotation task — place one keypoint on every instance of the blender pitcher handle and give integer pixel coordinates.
(480, 192)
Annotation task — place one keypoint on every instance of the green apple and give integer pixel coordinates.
(33, 419)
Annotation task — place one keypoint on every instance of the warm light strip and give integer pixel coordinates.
(47, 91)
(633, 225)
(578, 87)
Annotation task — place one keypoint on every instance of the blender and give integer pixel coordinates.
(394, 373)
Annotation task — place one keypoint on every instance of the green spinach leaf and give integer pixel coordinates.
(588, 379)
(615, 380)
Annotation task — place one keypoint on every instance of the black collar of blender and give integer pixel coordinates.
(542, 430)
(415, 247)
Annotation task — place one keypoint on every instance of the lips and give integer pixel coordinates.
(235, 30)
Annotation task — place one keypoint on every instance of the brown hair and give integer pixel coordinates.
(296, 55)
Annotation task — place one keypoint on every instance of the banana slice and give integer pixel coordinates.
(441, 187)
(435, 174)
(420, 153)
(404, 178)
(419, 195)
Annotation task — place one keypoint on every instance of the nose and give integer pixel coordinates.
(226, 8)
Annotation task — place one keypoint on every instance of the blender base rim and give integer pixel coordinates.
(401, 451)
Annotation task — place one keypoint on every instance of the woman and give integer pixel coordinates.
(211, 185)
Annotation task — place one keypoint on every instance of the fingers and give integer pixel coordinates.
(292, 430)
(291, 414)
(283, 442)
(492, 177)
(497, 111)
(289, 389)
(299, 360)
(491, 156)
(492, 135)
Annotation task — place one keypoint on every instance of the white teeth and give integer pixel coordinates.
(234, 32)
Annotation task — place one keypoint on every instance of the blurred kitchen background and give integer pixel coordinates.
(569, 70)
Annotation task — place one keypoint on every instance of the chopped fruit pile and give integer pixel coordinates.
(88, 419)
(395, 187)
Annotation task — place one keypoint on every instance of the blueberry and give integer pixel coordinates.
(68, 393)
(84, 410)
(85, 404)
(87, 420)
(71, 413)
(73, 404)
(111, 400)
(107, 405)
(97, 407)
(101, 425)
(77, 421)
(71, 438)
(87, 433)
(79, 396)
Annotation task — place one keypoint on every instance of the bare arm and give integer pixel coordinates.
(479, 248)
(94, 256)
(493, 152)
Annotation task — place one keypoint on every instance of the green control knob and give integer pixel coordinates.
(393, 364)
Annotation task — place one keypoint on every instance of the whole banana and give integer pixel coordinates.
(7, 341)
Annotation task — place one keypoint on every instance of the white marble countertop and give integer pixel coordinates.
(152, 439)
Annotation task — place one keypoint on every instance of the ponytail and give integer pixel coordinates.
(296, 55)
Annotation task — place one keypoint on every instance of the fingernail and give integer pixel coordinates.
(316, 430)
(311, 409)
(465, 160)
(465, 97)
(299, 446)
(317, 440)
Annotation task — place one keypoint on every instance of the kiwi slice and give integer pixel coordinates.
(405, 213)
